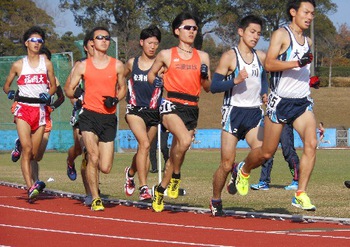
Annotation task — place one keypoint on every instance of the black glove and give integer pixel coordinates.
(78, 92)
(158, 82)
(110, 101)
(305, 59)
(204, 71)
(11, 94)
(46, 98)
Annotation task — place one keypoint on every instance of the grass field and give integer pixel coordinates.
(326, 188)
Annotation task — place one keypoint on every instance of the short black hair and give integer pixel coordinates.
(180, 18)
(97, 29)
(33, 30)
(46, 51)
(87, 37)
(151, 31)
(295, 4)
(245, 21)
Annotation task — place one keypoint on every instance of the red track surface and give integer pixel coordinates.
(56, 221)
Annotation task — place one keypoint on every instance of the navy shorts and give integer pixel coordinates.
(103, 125)
(240, 120)
(151, 117)
(188, 114)
(286, 110)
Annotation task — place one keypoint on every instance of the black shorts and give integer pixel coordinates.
(103, 125)
(240, 120)
(151, 117)
(188, 114)
(286, 110)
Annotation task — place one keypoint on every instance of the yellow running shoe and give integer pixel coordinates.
(242, 183)
(303, 201)
(97, 205)
(173, 188)
(158, 200)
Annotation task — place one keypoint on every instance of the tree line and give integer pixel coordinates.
(125, 19)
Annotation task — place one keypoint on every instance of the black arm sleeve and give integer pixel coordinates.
(60, 97)
(264, 84)
(219, 84)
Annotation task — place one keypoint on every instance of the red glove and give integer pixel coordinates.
(314, 82)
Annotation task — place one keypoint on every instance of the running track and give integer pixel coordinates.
(60, 221)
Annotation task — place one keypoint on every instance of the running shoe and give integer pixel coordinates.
(158, 200)
(97, 205)
(347, 184)
(129, 186)
(16, 152)
(242, 182)
(36, 189)
(144, 194)
(216, 208)
(260, 186)
(71, 172)
(173, 188)
(231, 186)
(303, 201)
(293, 185)
(88, 200)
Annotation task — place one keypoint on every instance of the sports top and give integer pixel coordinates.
(247, 93)
(33, 81)
(99, 83)
(292, 83)
(140, 91)
(183, 76)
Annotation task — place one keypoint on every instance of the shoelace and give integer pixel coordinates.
(158, 199)
(175, 185)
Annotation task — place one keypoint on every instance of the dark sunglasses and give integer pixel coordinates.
(188, 27)
(101, 37)
(39, 40)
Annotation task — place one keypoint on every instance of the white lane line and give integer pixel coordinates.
(112, 236)
(177, 225)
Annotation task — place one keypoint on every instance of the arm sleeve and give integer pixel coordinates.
(60, 97)
(264, 83)
(219, 84)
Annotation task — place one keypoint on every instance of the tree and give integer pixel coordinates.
(163, 12)
(16, 17)
(123, 18)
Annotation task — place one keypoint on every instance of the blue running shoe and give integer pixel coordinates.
(71, 172)
(36, 189)
(16, 152)
(260, 186)
(293, 185)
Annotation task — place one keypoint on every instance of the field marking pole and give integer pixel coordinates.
(159, 155)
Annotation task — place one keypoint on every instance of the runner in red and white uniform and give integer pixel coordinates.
(35, 75)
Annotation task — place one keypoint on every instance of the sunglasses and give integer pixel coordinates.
(101, 37)
(188, 27)
(39, 40)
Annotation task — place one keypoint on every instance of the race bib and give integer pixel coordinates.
(273, 101)
(166, 107)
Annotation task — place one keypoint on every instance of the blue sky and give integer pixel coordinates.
(65, 21)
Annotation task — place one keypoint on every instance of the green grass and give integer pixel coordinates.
(326, 188)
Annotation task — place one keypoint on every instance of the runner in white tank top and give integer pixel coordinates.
(35, 76)
(292, 83)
